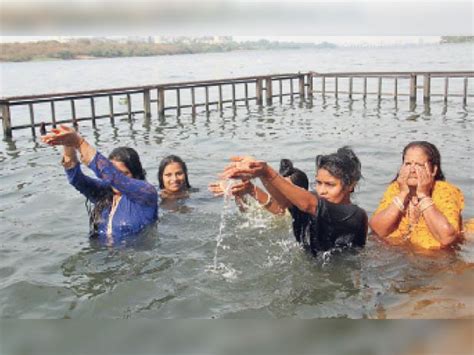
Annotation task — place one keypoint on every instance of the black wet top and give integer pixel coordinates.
(333, 226)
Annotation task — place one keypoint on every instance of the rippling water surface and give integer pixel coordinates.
(49, 268)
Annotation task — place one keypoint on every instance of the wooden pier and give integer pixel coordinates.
(262, 90)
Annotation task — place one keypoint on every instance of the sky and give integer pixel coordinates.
(357, 20)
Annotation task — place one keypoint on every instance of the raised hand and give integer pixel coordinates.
(403, 178)
(244, 169)
(63, 135)
(425, 181)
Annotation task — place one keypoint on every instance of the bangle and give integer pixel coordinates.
(398, 202)
(426, 203)
(268, 202)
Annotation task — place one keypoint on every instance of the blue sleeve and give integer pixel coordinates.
(86, 185)
(136, 190)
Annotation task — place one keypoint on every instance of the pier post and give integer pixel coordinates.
(6, 120)
(350, 87)
(269, 91)
(161, 101)
(364, 94)
(280, 86)
(426, 87)
(258, 91)
(323, 86)
(446, 86)
(301, 86)
(413, 87)
(53, 114)
(206, 89)
(93, 112)
(221, 104)
(336, 86)
(111, 109)
(32, 119)
(178, 102)
(147, 103)
(464, 100)
(233, 96)
(129, 106)
(379, 88)
(246, 94)
(310, 85)
(73, 110)
(395, 89)
(292, 91)
(193, 102)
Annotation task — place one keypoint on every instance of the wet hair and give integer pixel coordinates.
(343, 165)
(434, 157)
(103, 198)
(168, 160)
(297, 177)
(130, 158)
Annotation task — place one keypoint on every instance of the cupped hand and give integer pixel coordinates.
(63, 135)
(425, 181)
(244, 170)
(402, 179)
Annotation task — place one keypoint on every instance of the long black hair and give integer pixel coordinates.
(168, 160)
(344, 165)
(434, 157)
(103, 197)
(298, 178)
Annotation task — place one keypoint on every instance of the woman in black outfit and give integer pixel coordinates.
(324, 220)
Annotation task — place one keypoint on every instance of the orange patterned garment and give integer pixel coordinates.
(447, 198)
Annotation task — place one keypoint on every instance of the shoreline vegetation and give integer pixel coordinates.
(92, 48)
(85, 48)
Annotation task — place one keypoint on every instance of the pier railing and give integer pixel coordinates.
(216, 94)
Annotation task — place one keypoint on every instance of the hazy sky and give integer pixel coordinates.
(269, 18)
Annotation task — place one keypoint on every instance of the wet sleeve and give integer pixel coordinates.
(136, 190)
(449, 200)
(86, 185)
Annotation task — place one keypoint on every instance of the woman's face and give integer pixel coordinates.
(120, 166)
(174, 179)
(415, 157)
(331, 188)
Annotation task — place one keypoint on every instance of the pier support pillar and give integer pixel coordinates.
(161, 102)
(301, 86)
(269, 91)
(6, 120)
(413, 87)
(146, 103)
(258, 91)
(426, 88)
(310, 85)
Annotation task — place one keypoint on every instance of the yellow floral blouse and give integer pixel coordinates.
(447, 198)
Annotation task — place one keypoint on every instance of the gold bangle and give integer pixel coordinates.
(425, 204)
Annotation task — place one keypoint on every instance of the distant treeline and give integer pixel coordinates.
(100, 48)
(457, 39)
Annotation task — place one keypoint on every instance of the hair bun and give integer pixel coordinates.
(286, 167)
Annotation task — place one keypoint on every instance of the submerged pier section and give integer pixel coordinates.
(217, 94)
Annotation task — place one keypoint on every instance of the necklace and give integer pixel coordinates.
(413, 214)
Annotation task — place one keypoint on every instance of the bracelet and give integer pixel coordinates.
(398, 202)
(426, 203)
(268, 202)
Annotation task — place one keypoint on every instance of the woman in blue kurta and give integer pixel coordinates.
(124, 203)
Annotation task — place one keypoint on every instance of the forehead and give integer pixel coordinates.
(324, 175)
(416, 154)
(173, 167)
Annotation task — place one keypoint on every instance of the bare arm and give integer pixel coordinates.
(439, 226)
(386, 221)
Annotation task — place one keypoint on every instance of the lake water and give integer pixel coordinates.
(49, 268)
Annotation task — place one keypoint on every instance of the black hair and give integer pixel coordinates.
(434, 157)
(130, 158)
(168, 160)
(297, 177)
(344, 165)
(103, 198)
